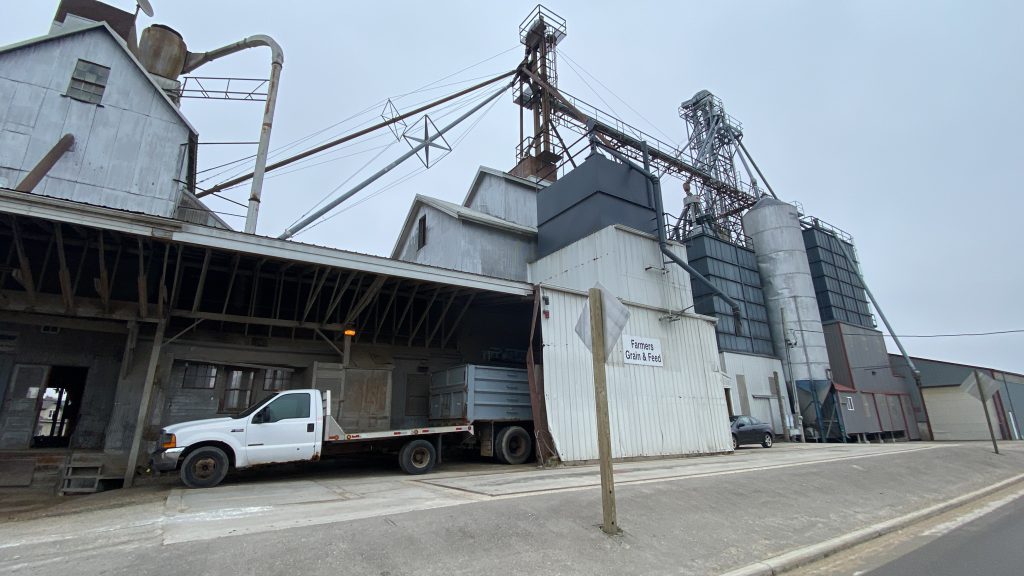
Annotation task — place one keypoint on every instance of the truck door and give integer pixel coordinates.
(282, 431)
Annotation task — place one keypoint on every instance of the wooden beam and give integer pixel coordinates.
(423, 318)
(231, 282)
(387, 309)
(408, 306)
(202, 280)
(147, 392)
(371, 293)
(142, 283)
(440, 321)
(102, 284)
(239, 319)
(161, 297)
(458, 319)
(337, 296)
(314, 291)
(63, 274)
(24, 272)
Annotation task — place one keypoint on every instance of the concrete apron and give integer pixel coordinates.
(248, 507)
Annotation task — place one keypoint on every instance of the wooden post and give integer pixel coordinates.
(604, 440)
(147, 393)
(988, 419)
(782, 405)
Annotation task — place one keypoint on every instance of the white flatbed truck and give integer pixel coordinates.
(297, 426)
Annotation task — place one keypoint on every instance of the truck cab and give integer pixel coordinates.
(284, 427)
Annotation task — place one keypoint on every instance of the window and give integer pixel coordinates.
(849, 402)
(288, 406)
(276, 379)
(421, 232)
(202, 376)
(88, 82)
(237, 387)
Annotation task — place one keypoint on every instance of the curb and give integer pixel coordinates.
(795, 558)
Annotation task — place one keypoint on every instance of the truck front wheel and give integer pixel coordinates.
(513, 445)
(417, 457)
(204, 467)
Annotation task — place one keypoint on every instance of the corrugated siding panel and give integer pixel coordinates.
(128, 152)
(630, 265)
(956, 415)
(678, 408)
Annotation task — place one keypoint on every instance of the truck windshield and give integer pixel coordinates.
(253, 407)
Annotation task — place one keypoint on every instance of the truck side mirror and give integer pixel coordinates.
(258, 417)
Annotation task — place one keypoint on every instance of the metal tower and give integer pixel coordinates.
(539, 154)
(714, 142)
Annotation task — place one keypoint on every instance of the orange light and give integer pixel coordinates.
(171, 443)
(349, 332)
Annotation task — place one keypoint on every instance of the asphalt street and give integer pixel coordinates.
(992, 544)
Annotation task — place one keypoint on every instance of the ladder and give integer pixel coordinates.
(81, 474)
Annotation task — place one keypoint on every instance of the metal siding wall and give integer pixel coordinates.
(127, 153)
(654, 411)
(506, 200)
(445, 243)
(627, 263)
(757, 372)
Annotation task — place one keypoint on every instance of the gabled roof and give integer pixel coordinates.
(459, 213)
(117, 40)
(485, 171)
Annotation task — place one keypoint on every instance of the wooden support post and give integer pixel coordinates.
(147, 393)
(24, 271)
(63, 275)
(988, 419)
(142, 284)
(604, 436)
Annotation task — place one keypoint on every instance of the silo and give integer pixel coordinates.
(774, 228)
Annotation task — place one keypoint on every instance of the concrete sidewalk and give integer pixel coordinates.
(694, 516)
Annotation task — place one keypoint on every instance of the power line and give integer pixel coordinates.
(276, 152)
(958, 334)
(634, 110)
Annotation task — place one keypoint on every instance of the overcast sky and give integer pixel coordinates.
(898, 122)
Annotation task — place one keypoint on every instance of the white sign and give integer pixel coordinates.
(644, 351)
(615, 317)
(989, 386)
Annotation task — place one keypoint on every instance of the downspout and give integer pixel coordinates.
(196, 60)
(662, 240)
(910, 363)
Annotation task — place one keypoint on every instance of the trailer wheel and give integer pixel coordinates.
(205, 467)
(513, 445)
(417, 457)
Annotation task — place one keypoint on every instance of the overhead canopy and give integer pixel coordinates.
(83, 261)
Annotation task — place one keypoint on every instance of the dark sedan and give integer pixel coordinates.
(750, 430)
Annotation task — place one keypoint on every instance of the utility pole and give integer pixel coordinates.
(984, 405)
(604, 437)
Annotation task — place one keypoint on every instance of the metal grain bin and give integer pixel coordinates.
(470, 392)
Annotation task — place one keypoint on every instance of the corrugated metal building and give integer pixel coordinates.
(956, 415)
(133, 149)
(677, 408)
